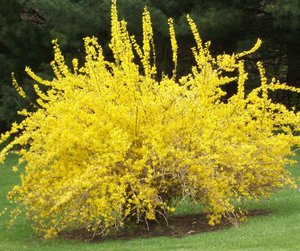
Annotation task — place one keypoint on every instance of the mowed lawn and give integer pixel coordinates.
(279, 230)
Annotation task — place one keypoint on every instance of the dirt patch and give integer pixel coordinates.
(178, 226)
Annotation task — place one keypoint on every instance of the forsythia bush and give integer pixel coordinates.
(108, 143)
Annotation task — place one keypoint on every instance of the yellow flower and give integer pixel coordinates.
(110, 142)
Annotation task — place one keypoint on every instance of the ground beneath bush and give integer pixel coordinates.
(177, 226)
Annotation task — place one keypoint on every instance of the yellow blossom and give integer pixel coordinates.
(110, 143)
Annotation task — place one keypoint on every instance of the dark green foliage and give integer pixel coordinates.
(21, 43)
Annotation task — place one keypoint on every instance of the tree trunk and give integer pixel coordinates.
(293, 76)
(293, 57)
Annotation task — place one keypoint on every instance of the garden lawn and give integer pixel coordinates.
(279, 230)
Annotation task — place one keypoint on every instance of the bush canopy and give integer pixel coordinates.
(109, 143)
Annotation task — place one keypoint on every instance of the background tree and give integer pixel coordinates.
(19, 37)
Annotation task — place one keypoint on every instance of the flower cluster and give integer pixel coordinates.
(110, 144)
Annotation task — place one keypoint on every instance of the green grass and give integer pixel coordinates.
(279, 230)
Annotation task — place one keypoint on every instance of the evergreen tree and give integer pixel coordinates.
(22, 42)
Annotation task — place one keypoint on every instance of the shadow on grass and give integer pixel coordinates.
(178, 226)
